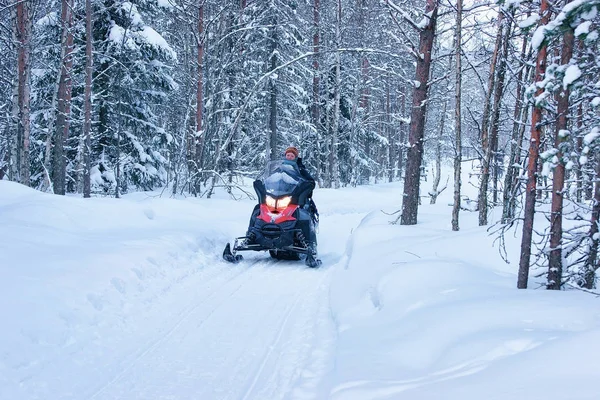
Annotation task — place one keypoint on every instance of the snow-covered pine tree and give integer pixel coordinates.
(44, 93)
(180, 26)
(279, 36)
(569, 249)
(131, 82)
(229, 148)
(8, 68)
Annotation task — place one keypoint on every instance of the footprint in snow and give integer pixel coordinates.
(96, 301)
(119, 284)
(149, 213)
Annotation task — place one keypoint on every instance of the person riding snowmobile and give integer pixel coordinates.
(284, 220)
(292, 155)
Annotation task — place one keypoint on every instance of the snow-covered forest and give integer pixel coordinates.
(456, 151)
(109, 97)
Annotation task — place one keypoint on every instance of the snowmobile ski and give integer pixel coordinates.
(231, 257)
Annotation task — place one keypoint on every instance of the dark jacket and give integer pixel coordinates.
(303, 171)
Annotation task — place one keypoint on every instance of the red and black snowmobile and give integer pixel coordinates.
(283, 222)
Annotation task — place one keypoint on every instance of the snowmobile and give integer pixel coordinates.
(283, 221)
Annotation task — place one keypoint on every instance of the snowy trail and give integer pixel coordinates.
(172, 322)
(244, 340)
(145, 307)
(260, 329)
(130, 299)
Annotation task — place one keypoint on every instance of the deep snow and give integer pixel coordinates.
(129, 299)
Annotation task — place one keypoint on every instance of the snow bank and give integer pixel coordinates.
(91, 286)
(426, 313)
(80, 275)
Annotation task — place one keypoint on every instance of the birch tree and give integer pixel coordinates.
(457, 118)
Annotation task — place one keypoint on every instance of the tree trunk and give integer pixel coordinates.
(335, 123)
(402, 132)
(391, 149)
(438, 157)
(327, 129)
(5, 157)
(14, 140)
(592, 263)
(588, 184)
(555, 266)
(87, 123)
(457, 118)
(190, 125)
(534, 147)
(491, 149)
(512, 172)
(541, 179)
(587, 175)
(48, 162)
(199, 136)
(273, 154)
(491, 79)
(316, 103)
(229, 103)
(364, 62)
(23, 39)
(118, 146)
(498, 95)
(118, 90)
(64, 99)
(410, 203)
(579, 150)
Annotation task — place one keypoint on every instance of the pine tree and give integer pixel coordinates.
(132, 80)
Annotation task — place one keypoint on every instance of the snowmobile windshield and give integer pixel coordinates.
(281, 177)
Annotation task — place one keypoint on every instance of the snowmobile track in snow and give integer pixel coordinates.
(272, 346)
(182, 317)
(207, 350)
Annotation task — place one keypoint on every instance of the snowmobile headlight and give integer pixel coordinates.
(284, 202)
(271, 202)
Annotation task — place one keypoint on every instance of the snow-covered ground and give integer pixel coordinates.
(129, 299)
